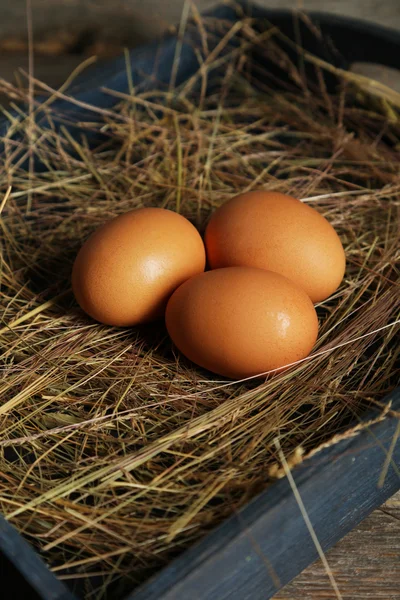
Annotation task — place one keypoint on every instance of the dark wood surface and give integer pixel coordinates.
(365, 564)
(23, 574)
(66, 22)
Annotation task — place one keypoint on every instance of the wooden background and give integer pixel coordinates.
(143, 18)
(366, 564)
(66, 29)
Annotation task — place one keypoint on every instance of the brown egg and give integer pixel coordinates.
(273, 231)
(241, 321)
(127, 269)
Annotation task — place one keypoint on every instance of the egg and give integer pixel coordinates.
(272, 231)
(241, 321)
(126, 271)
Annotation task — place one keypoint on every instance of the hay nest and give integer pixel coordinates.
(117, 453)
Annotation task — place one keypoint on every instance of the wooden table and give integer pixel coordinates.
(365, 564)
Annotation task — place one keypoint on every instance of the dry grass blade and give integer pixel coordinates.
(116, 453)
(307, 520)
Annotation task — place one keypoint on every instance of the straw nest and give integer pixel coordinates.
(117, 453)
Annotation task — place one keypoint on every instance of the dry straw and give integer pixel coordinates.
(116, 453)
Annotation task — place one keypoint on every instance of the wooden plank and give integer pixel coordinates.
(365, 564)
(67, 24)
(30, 566)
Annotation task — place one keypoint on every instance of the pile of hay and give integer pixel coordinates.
(116, 453)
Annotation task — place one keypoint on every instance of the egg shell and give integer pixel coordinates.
(126, 271)
(276, 232)
(241, 321)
